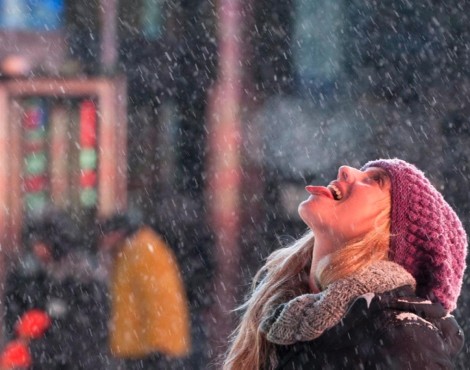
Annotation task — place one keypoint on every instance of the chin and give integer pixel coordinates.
(301, 210)
(306, 213)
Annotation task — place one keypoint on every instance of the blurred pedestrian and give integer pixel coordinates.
(370, 286)
(150, 325)
(47, 239)
(46, 278)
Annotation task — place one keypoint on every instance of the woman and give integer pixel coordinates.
(370, 286)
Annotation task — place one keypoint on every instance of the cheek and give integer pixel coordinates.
(359, 220)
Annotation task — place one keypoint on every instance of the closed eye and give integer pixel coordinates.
(378, 176)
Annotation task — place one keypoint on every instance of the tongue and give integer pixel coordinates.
(319, 190)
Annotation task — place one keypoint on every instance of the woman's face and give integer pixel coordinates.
(348, 206)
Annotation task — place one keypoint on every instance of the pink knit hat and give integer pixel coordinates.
(427, 237)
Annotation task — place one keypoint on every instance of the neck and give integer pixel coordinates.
(324, 246)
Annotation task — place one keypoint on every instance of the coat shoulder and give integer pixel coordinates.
(412, 332)
(147, 243)
(407, 340)
(393, 330)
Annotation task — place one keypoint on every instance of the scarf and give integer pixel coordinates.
(307, 316)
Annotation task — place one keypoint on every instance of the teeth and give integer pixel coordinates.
(337, 195)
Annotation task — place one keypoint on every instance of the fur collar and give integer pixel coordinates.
(307, 316)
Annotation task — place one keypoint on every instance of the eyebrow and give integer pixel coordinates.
(375, 170)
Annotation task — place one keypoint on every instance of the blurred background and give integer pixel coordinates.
(208, 118)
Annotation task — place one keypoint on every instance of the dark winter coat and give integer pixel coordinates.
(392, 329)
(78, 311)
(395, 331)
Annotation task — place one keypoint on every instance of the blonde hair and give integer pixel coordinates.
(285, 276)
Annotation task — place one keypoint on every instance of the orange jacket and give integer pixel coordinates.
(149, 305)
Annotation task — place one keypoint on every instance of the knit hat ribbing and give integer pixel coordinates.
(427, 237)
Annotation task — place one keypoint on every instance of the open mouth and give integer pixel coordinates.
(337, 195)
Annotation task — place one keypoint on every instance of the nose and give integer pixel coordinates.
(348, 174)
